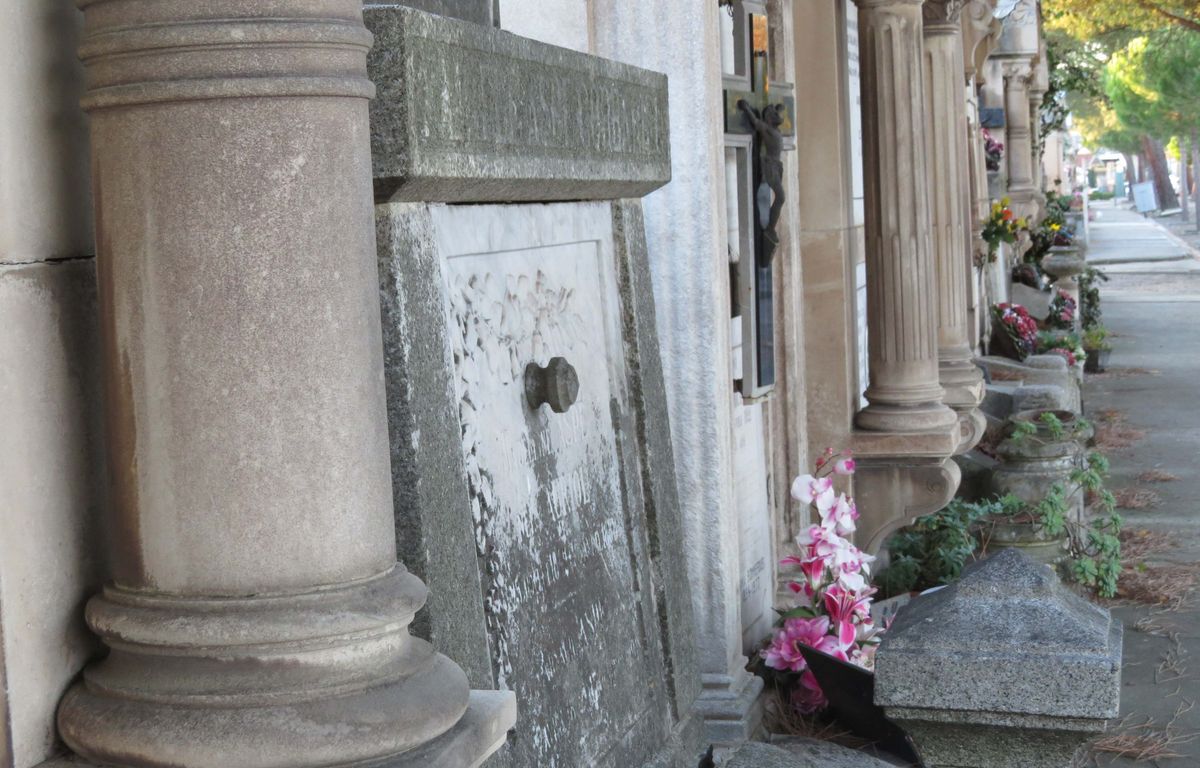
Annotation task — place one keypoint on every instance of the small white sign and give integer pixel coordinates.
(1144, 198)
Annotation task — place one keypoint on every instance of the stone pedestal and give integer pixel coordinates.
(1065, 264)
(1006, 669)
(946, 143)
(904, 393)
(256, 616)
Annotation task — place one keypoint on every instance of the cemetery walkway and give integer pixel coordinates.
(1147, 412)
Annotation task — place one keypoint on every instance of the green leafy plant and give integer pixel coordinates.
(1094, 548)
(1096, 338)
(934, 549)
(1055, 428)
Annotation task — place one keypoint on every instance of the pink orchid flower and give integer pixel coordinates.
(807, 489)
(840, 517)
(844, 466)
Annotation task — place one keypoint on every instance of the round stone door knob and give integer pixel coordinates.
(557, 385)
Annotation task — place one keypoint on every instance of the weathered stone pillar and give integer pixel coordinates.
(978, 30)
(1021, 188)
(904, 394)
(257, 616)
(949, 174)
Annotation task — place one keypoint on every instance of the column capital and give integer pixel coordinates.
(886, 3)
(942, 14)
(1019, 69)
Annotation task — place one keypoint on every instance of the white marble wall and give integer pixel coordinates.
(50, 479)
(558, 22)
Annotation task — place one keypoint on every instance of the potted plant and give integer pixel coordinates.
(1040, 450)
(1062, 311)
(1097, 347)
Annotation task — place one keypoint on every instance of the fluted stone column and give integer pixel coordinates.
(949, 176)
(256, 616)
(1021, 188)
(904, 394)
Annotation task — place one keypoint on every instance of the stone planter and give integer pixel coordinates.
(1031, 467)
(1024, 535)
(1097, 360)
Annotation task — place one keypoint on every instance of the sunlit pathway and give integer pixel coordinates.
(1152, 306)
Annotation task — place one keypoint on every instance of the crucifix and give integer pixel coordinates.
(759, 126)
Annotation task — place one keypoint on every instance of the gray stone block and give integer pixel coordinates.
(1042, 397)
(467, 113)
(801, 753)
(1007, 668)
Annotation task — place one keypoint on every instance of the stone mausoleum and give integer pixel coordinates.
(420, 383)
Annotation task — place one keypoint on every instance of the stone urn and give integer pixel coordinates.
(1031, 466)
(1065, 263)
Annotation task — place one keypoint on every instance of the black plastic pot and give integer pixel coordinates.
(1097, 360)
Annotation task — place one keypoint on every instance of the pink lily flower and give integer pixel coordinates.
(842, 605)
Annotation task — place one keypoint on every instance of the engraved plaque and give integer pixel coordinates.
(560, 542)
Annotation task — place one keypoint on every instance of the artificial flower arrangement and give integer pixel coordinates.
(1062, 311)
(1069, 346)
(1014, 331)
(832, 613)
(993, 151)
(1002, 226)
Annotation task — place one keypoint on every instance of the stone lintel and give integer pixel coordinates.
(468, 113)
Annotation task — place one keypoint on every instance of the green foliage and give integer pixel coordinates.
(933, 550)
(1086, 19)
(1096, 338)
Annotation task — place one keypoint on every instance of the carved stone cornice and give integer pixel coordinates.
(981, 32)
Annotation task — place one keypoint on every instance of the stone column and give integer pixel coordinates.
(256, 616)
(904, 394)
(946, 144)
(1019, 151)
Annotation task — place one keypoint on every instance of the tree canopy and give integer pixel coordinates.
(1086, 19)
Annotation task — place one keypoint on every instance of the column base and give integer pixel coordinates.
(732, 709)
(323, 678)
(921, 417)
(476, 736)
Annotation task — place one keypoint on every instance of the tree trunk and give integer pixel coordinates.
(1160, 174)
(1130, 178)
(1183, 179)
(1196, 166)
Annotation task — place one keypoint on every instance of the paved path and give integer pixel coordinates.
(1154, 383)
(1120, 236)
